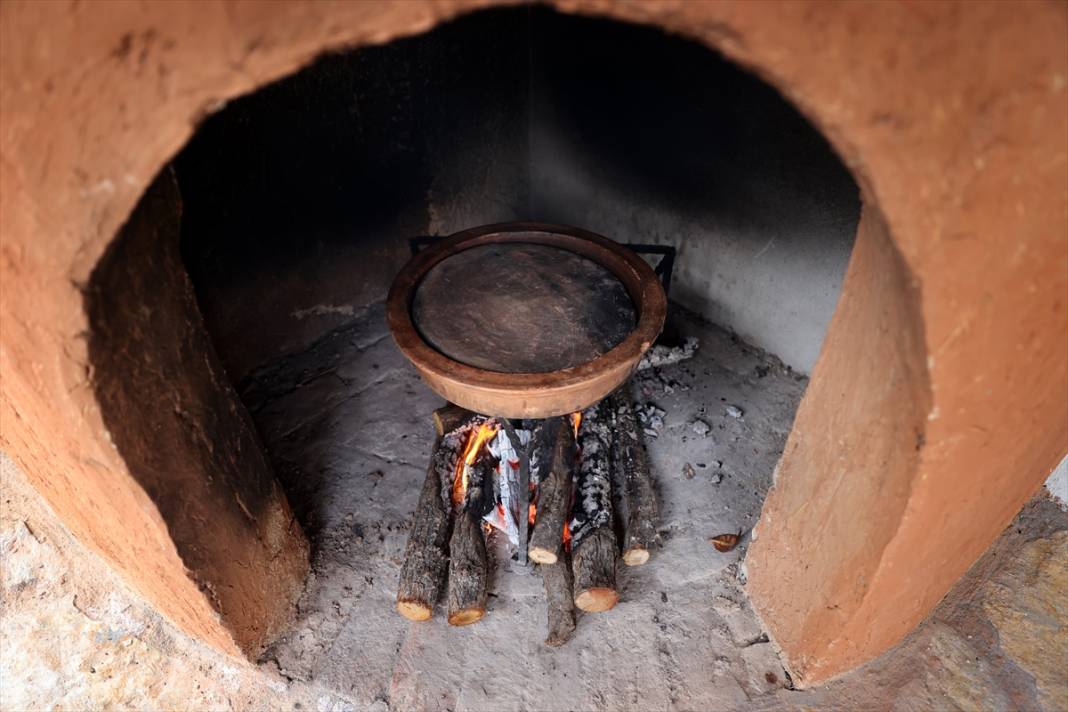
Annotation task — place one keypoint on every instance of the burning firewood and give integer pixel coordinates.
(556, 577)
(638, 512)
(468, 564)
(593, 538)
(551, 463)
(426, 557)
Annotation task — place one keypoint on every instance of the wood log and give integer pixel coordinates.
(555, 447)
(556, 577)
(467, 571)
(593, 538)
(450, 417)
(594, 567)
(425, 556)
(468, 564)
(592, 506)
(633, 480)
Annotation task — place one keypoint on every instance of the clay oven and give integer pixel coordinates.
(197, 373)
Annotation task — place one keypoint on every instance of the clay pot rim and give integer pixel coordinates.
(510, 393)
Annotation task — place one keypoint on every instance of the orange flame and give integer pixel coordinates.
(567, 536)
(532, 513)
(576, 420)
(475, 441)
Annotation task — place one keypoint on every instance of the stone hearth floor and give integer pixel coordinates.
(348, 426)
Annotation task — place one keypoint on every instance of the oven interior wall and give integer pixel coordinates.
(647, 138)
(300, 198)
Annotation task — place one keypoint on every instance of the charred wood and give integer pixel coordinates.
(594, 566)
(468, 564)
(633, 482)
(554, 447)
(592, 507)
(426, 555)
(593, 544)
(467, 571)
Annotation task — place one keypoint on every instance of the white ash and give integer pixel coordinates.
(505, 483)
(701, 427)
(593, 490)
(539, 461)
(659, 356)
(654, 380)
(651, 417)
(506, 515)
(734, 411)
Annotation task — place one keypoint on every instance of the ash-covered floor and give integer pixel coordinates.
(348, 425)
(73, 636)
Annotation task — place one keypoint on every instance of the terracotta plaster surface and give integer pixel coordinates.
(95, 99)
(182, 431)
(953, 117)
(856, 457)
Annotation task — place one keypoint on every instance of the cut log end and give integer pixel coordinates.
(450, 417)
(426, 556)
(541, 555)
(594, 567)
(554, 445)
(467, 571)
(466, 616)
(633, 486)
(595, 600)
(415, 610)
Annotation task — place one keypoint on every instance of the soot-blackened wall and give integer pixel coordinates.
(300, 198)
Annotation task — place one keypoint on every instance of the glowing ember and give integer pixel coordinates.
(532, 511)
(475, 440)
(576, 420)
(567, 536)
